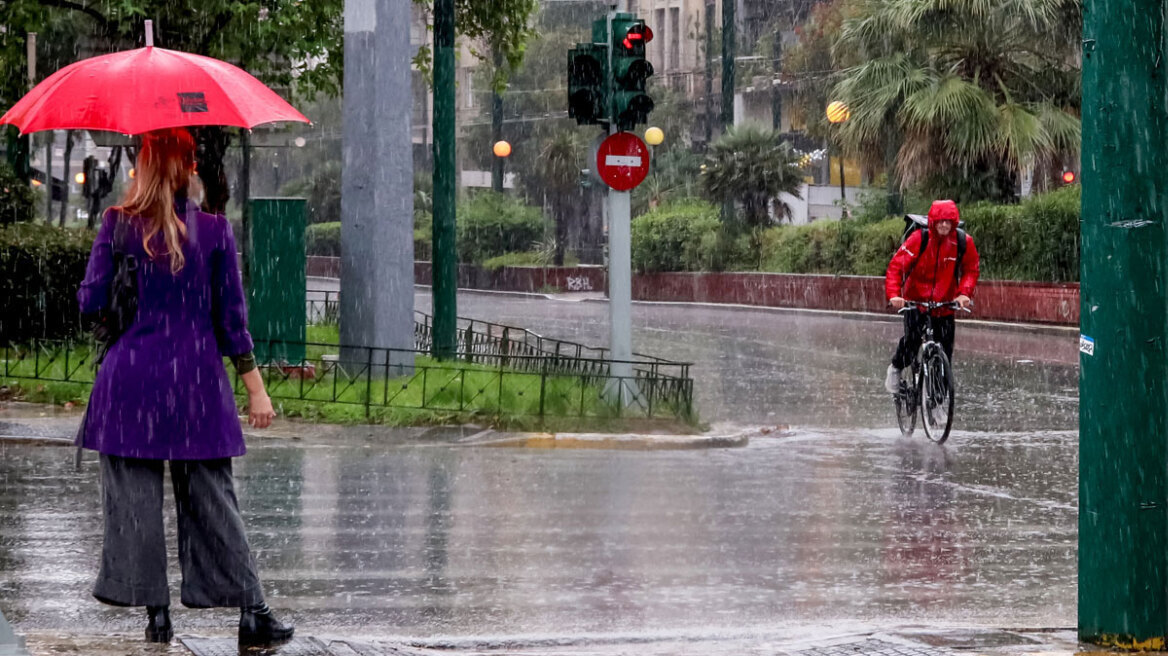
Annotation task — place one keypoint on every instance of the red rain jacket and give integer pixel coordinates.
(934, 277)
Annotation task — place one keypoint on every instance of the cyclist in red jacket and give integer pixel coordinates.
(944, 270)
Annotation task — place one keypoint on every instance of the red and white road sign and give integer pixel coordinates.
(623, 161)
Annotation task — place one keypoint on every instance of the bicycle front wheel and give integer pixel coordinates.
(905, 401)
(937, 395)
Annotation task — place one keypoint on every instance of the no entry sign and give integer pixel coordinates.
(623, 161)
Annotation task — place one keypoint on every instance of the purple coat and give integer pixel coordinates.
(163, 392)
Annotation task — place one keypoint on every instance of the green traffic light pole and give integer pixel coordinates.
(445, 263)
(1123, 409)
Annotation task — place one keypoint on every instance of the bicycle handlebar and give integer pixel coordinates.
(933, 305)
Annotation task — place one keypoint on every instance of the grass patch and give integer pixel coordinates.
(430, 392)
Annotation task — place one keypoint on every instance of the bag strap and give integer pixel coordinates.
(920, 251)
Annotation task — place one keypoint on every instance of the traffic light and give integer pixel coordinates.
(630, 70)
(587, 100)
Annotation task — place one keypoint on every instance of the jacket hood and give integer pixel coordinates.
(943, 210)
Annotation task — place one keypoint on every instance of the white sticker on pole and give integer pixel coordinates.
(622, 160)
(1086, 345)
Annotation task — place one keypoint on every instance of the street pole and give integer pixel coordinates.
(1123, 373)
(776, 89)
(843, 193)
(729, 52)
(445, 263)
(711, 14)
(498, 163)
(245, 206)
(620, 271)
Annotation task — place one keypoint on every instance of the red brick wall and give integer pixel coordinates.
(1054, 303)
(1030, 302)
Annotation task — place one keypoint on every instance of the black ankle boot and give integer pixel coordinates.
(258, 626)
(158, 628)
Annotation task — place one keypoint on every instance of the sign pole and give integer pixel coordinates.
(620, 268)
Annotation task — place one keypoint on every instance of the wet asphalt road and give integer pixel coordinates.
(841, 520)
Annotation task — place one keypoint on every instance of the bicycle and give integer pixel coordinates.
(930, 392)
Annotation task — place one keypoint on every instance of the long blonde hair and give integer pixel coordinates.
(163, 167)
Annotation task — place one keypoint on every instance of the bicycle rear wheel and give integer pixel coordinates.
(937, 395)
(905, 401)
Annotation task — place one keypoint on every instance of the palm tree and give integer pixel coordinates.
(752, 165)
(972, 92)
(559, 175)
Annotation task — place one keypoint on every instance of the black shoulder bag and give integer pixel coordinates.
(121, 309)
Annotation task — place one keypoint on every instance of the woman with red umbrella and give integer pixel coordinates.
(162, 394)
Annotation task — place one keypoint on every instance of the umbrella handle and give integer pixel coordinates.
(149, 33)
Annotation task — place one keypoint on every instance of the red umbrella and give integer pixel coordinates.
(147, 89)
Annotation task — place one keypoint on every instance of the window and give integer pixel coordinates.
(674, 39)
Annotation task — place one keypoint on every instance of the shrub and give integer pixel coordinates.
(322, 190)
(820, 247)
(323, 239)
(997, 231)
(540, 258)
(17, 200)
(41, 268)
(874, 246)
(1050, 235)
(685, 236)
(492, 224)
(1035, 240)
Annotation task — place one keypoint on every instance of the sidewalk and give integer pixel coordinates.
(51, 425)
(913, 640)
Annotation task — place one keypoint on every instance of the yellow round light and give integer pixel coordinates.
(837, 112)
(133, 173)
(502, 149)
(654, 136)
(79, 178)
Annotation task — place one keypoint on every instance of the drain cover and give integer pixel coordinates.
(874, 648)
(230, 647)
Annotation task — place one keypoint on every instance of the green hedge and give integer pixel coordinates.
(683, 236)
(323, 239)
(41, 268)
(492, 224)
(1037, 239)
(16, 198)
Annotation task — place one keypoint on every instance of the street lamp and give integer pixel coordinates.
(837, 113)
(502, 150)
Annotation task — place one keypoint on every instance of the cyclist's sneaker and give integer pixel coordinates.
(892, 380)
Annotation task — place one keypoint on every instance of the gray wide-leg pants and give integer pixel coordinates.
(217, 566)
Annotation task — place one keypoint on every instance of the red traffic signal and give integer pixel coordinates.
(639, 34)
(1069, 177)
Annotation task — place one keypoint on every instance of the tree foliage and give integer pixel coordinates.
(971, 91)
(752, 165)
(285, 43)
(489, 26)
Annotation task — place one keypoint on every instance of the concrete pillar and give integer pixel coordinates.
(377, 203)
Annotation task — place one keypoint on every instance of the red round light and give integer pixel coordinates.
(1069, 177)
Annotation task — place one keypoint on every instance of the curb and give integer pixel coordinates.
(1006, 326)
(611, 442)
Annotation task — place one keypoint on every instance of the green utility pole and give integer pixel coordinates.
(710, 15)
(776, 90)
(445, 261)
(1123, 409)
(729, 52)
(497, 171)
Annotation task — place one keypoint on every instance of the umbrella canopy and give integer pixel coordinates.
(150, 88)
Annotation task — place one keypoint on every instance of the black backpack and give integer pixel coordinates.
(917, 223)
